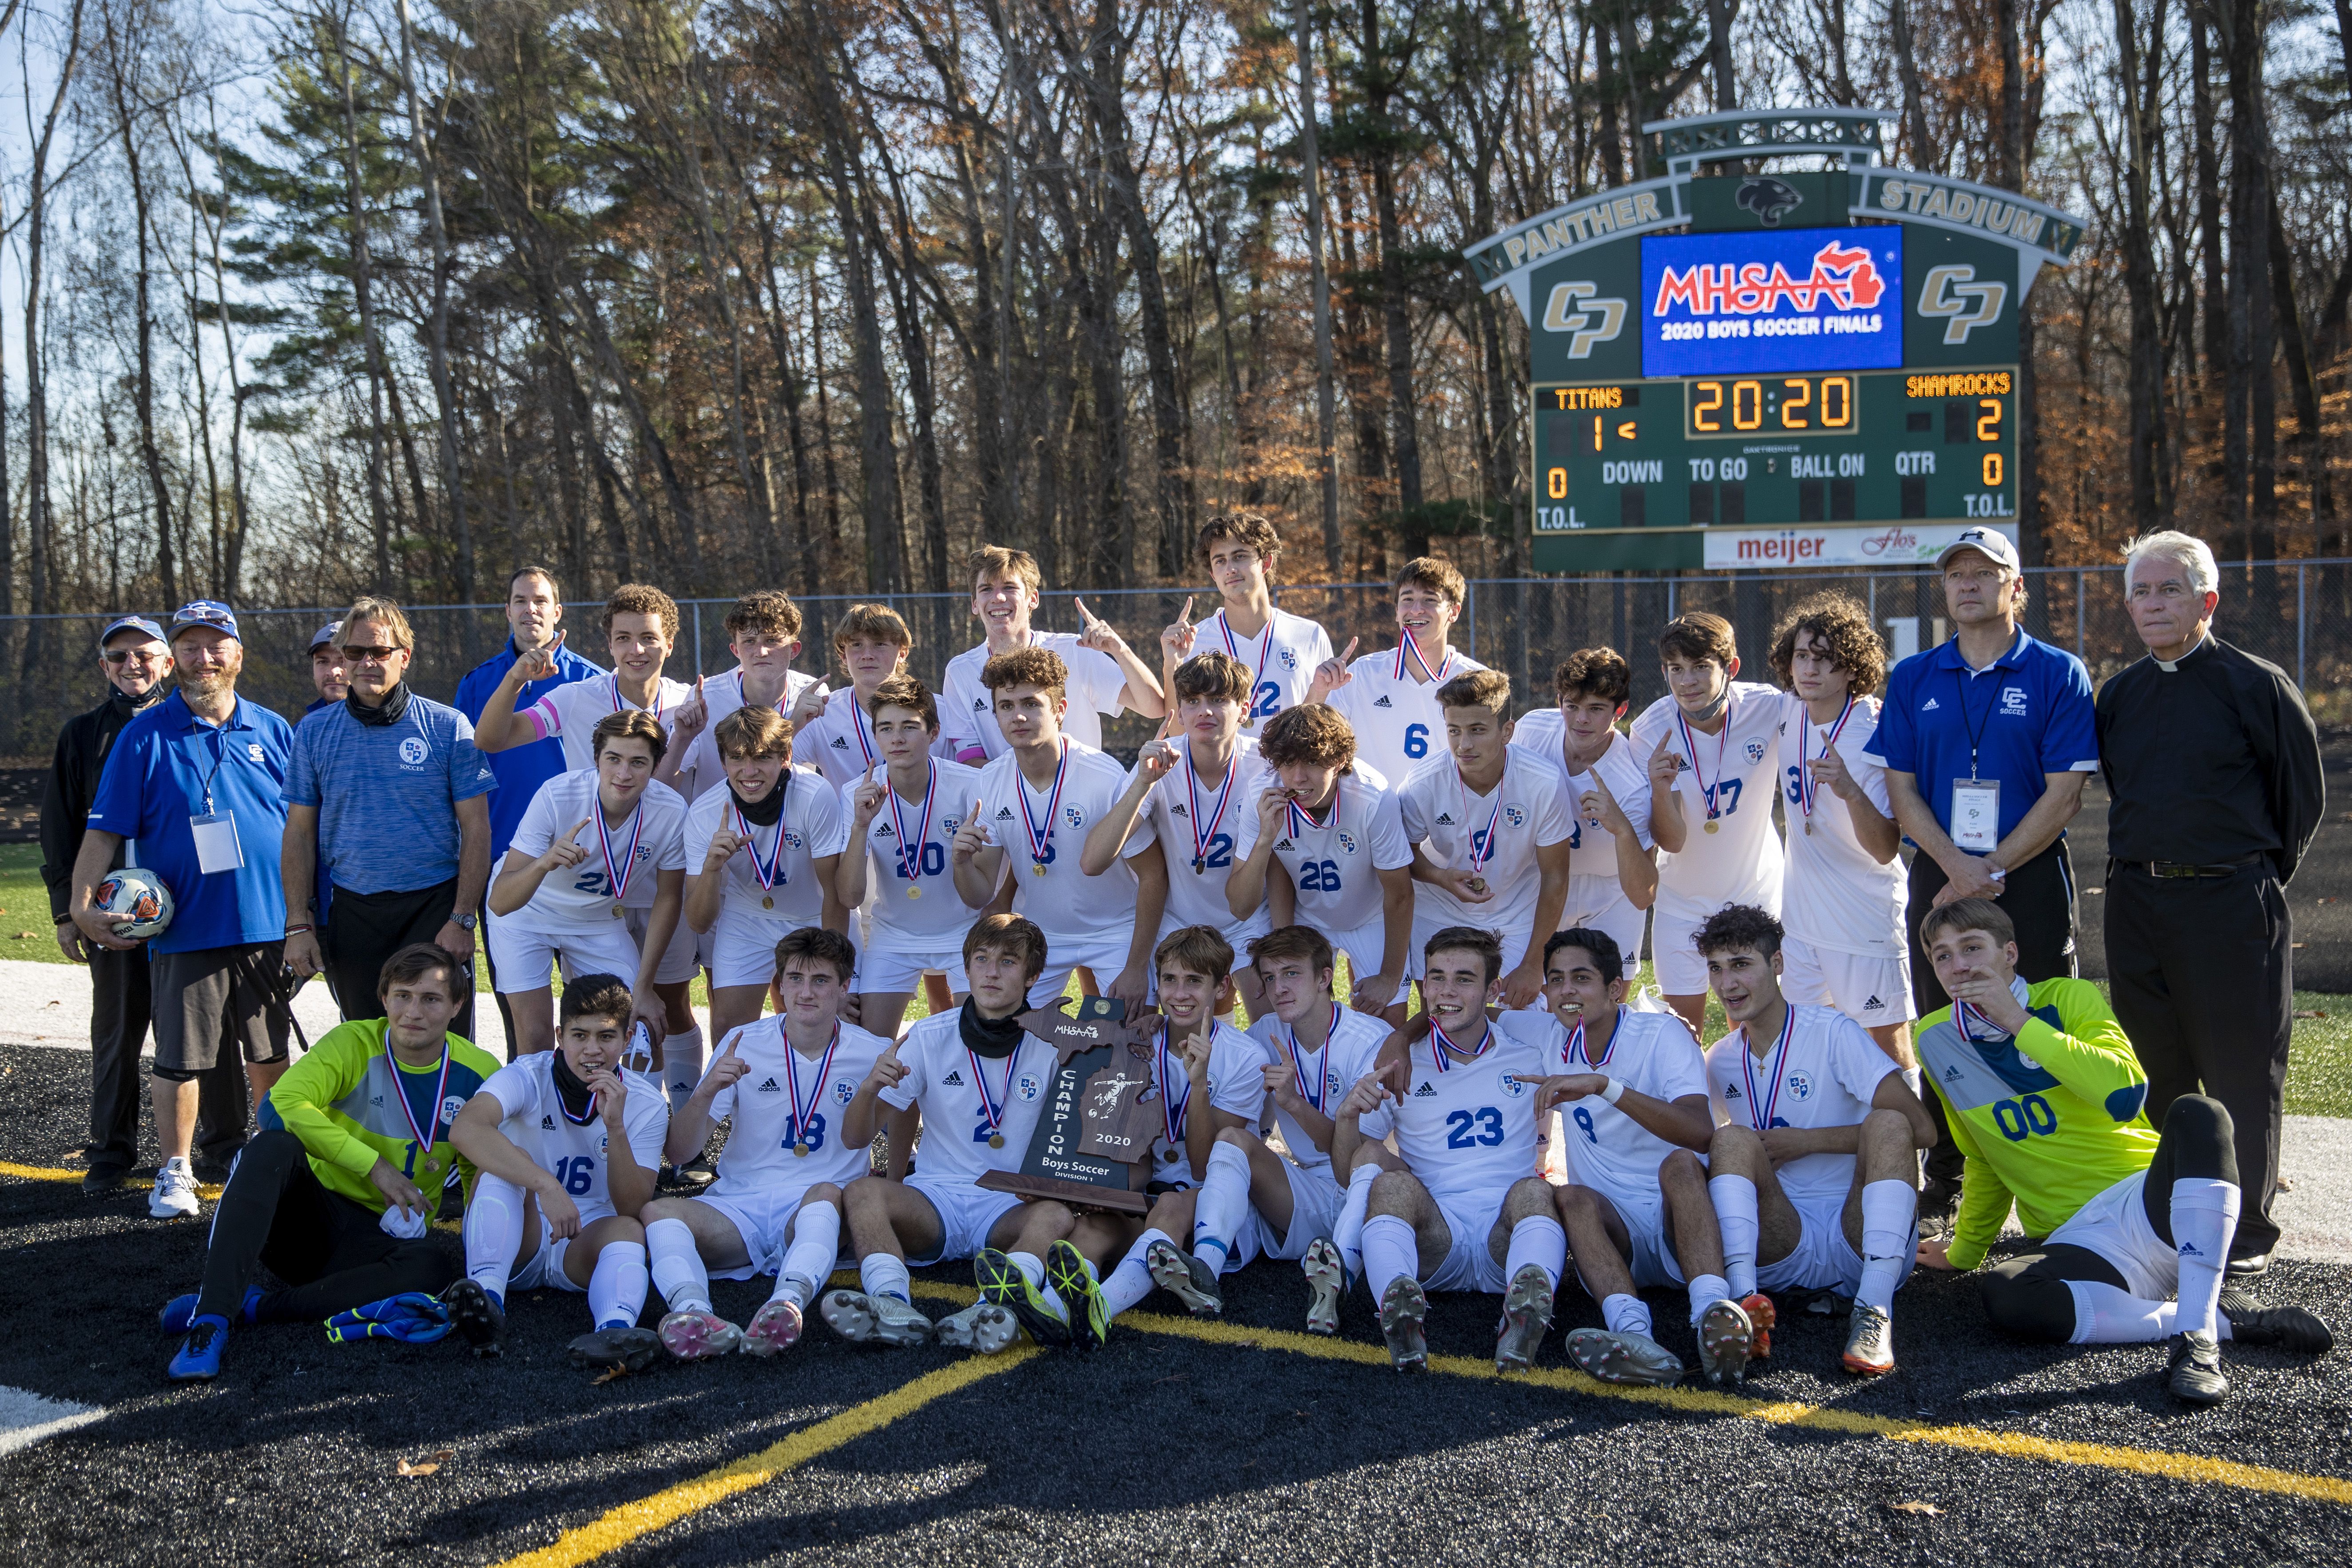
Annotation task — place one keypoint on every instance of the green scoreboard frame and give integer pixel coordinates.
(1740, 467)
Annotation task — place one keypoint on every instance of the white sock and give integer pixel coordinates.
(493, 1231)
(2105, 1315)
(1917, 1084)
(809, 1260)
(1390, 1252)
(681, 1067)
(1890, 1238)
(880, 1274)
(1735, 1215)
(1221, 1204)
(677, 1269)
(1538, 1239)
(1626, 1315)
(1705, 1290)
(1033, 1269)
(1347, 1231)
(616, 1288)
(2204, 1219)
(1132, 1281)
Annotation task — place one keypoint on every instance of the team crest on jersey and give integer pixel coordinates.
(253, 750)
(947, 824)
(792, 839)
(1074, 817)
(2027, 1063)
(1508, 1082)
(1346, 842)
(1516, 816)
(1755, 751)
(450, 1107)
(412, 750)
(1029, 1087)
(1330, 1084)
(844, 1091)
(1289, 659)
(1800, 1085)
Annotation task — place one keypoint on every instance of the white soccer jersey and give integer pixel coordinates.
(1281, 659)
(1740, 862)
(581, 899)
(1235, 1087)
(935, 922)
(574, 1153)
(1469, 1129)
(957, 1089)
(1822, 1073)
(702, 769)
(572, 710)
(1202, 843)
(1397, 720)
(1335, 864)
(723, 693)
(1835, 897)
(968, 709)
(838, 742)
(1649, 1053)
(810, 826)
(1526, 810)
(1544, 734)
(1322, 1078)
(1067, 905)
(759, 1157)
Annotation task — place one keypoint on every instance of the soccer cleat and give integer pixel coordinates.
(2289, 1328)
(874, 1320)
(175, 1196)
(198, 1358)
(2195, 1370)
(774, 1327)
(1725, 1336)
(699, 1333)
(1066, 1273)
(1326, 1282)
(632, 1349)
(1870, 1342)
(2253, 1266)
(698, 1173)
(1404, 1306)
(99, 1181)
(180, 1312)
(979, 1327)
(1002, 1284)
(1527, 1318)
(1761, 1316)
(1624, 1358)
(1186, 1277)
(477, 1316)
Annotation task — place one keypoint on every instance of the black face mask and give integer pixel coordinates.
(395, 703)
(130, 704)
(569, 1088)
(992, 1037)
(768, 809)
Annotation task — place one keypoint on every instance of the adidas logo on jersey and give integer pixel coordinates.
(841, 742)
(1177, 810)
(1731, 1092)
(770, 1088)
(1929, 706)
(1426, 1091)
(1284, 844)
(1382, 702)
(980, 705)
(1952, 1073)
(547, 1124)
(1873, 1005)
(1444, 819)
(882, 830)
(1003, 813)
(953, 1081)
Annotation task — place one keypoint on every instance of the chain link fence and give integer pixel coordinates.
(2297, 614)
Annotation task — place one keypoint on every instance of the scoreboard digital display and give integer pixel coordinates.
(1813, 299)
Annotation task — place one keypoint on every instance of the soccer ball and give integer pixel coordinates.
(139, 902)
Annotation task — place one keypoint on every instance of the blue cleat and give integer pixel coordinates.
(198, 1358)
(181, 1310)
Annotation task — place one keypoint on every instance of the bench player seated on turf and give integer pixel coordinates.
(2045, 1100)
(568, 1143)
(1468, 1212)
(764, 850)
(783, 1084)
(1635, 1128)
(1815, 1160)
(978, 1080)
(1319, 837)
(1207, 1080)
(335, 1192)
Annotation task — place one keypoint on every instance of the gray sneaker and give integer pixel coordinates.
(1725, 1334)
(1527, 1318)
(1186, 1277)
(874, 1320)
(1624, 1358)
(1870, 1342)
(980, 1327)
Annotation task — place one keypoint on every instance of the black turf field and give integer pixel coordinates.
(1167, 1447)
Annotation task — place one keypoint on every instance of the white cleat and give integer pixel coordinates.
(980, 1327)
(1725, 1334)
(1404, 1306)
(874, 1320)
(1870, 1342)
(1326, 1282)
(1624, 1358)
(1527, 1318)
(175, 1196)
(1186, 1276)
(698, 1334)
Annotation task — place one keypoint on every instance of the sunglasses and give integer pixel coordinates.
(367, 655)
(125, 655)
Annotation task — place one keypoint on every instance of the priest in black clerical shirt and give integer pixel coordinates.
(2213, 763)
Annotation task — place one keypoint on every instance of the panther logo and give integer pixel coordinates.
(1768, 198)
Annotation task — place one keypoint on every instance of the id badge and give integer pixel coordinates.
(1976, 815)
(217, 846)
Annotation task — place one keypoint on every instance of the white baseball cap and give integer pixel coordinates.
(1990, 542)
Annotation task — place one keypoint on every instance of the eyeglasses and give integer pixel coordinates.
(370, 655)
(125, 655)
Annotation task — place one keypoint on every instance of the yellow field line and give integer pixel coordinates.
(630, 1520)
(48, 1174)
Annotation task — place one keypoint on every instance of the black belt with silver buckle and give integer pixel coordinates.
(2176, 868)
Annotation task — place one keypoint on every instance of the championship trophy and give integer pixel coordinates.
(1092, 1149)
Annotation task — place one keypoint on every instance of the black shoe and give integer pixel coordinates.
(698, 1173)
(477, 1316)
(100, 1180)
(2195, 1370)
(1939, 1198)
(2289, 1328)
(210, 1172)
(2249, 1268)
(1002, 1284)
(632, 1349)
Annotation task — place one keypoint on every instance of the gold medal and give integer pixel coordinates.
(1249, 722)
(1712, 826)
(914, 892)
(1200, 867)
(997, 1140)
(769, 902)
(1477, 884)
(1809, 827)
(616, 911)
(800, 1150)
(1036, 868)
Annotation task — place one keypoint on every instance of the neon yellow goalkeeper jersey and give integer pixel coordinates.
(2048, 1121)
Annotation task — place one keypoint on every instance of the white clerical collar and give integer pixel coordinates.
(2169, 665)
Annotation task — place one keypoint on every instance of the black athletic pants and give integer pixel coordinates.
(330, 1252)
(2038, 899)
(118, 1029)
(2028, 1295)
(363, 930)
(2203, 974)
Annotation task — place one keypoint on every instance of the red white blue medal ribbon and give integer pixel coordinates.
(1480, 856)
(910, 850)
(1808, 787)
(768, 870)
(1172, 1110)
(860, 726)
(1300, 823)
(1204, 834)
(1407, 646)
(803, 1114)
(621, 706)
(617, 877)
(1762, 1121)
(1575, 1047)
(428, 1135)
(1225, 630)
(1445, 1045)
(1313, 1096)
(992, 1111)
(1690, 744)
(1041, 843)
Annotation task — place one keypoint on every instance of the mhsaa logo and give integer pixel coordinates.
(1844, 276)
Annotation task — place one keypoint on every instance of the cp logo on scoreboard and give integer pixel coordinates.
(1573, 309)
(1949, 293)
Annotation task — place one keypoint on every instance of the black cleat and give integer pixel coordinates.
(630, 1349)
(1082, 1296)
(1002, 1284)
(2289, 1328)
(2252, 1266)
(477, 1316)
(2195, 1370)
(101, 1181)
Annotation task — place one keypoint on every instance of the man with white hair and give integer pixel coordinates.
(2212, 762)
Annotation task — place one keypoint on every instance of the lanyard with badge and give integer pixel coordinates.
(215, 832)
(1976, 801)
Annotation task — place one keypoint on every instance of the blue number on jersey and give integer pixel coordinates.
(591, 883)
(577, 1174)
(2018, 1119)
(1584, 1120)
(1318, 875)
(1269, 700)
(1478, 844)
(980, 1133)
(1796, 788)
(1416, 740)
(935, 860)
(1727, 796)
(1486, 1120)
(814, 1136)
(1221, 851)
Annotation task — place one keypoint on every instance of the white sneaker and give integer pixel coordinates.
(175, 1196)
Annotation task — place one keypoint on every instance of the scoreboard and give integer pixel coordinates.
(1766, 371)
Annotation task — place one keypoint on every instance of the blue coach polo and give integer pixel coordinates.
(387, 794)
(519, 770)
(157, 777)
(2027, 714)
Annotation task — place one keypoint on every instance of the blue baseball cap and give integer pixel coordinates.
(325, 635)
(130, 624)
(210, 613)
(1990, 542)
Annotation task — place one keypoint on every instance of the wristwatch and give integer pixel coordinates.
(466, 922)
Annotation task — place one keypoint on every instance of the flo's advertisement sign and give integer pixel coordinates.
(1904, 545)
